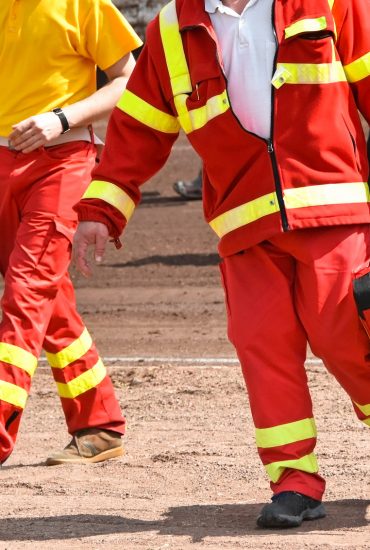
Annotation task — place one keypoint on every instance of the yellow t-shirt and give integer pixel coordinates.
(49, 50)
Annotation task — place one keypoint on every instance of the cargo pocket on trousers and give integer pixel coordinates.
(55, 257)
(361, 294)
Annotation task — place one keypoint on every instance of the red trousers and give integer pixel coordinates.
(281, 294)
(37, 193)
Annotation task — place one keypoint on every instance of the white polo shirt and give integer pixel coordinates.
(248, 48)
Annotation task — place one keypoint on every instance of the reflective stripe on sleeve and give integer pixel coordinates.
(83, 383)
(145, 113)
(307, 463)
(286, 433)
(18, 357)
(71, 353)
(112, 194)
(10, 393)
(358, 69)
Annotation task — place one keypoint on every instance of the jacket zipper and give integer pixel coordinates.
(270, 142)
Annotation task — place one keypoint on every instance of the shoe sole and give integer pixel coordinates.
(285, 521)
(105, 455)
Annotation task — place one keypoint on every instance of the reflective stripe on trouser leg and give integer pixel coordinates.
(86, 391)
(271, 345)
(39, 223)
(31, 282)
(326, 305)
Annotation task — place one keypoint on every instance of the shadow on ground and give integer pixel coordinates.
(154, 198)
(196, 522)
(174, 259)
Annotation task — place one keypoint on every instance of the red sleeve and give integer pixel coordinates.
(140, 135)
(353, 44)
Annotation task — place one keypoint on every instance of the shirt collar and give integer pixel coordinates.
(211, 6)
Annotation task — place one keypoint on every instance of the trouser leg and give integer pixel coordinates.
(36, 268)
(37, 194)
(271, 344)
(84, 387)
(326, 306)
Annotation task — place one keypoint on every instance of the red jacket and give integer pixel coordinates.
(312, 172)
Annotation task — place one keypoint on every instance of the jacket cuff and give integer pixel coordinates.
(96, 210)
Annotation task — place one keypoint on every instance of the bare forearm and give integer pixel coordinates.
(97, 106)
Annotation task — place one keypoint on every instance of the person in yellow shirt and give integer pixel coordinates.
(49, 52)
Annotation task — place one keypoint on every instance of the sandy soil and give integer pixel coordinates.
(190, 478)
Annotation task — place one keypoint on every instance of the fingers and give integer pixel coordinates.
(80, 257)
(27, 142)
(100, 243)
(34, 132)
(89, 234)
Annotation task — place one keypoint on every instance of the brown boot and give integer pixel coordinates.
(89, 445)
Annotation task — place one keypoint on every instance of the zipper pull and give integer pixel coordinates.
(270, 147)
(117, 243)
(196, 89)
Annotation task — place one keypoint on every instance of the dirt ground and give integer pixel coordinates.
(190, 478)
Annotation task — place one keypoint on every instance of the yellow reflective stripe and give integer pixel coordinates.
(244, 214)
(306, 25)
(366, 421)
(359, 69)
(18, 357)
(173, 50)
(83, 383)
(307, 463)
(13, 394)
(365, 409)
(314, 195)
(331, 4)
(285, 433)
(197, 118)
(112, 194)
(331, 193)
(311, 73)
(180, 78)
(71, 353)
(145, 113)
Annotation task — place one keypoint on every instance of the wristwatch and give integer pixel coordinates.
(63, 119)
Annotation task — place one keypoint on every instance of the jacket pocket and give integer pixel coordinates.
(316, 35)
(313, 28)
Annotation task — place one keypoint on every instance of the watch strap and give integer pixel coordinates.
(63, 119)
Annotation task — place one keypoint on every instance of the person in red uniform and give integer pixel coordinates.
(49, 52)
(270, 104)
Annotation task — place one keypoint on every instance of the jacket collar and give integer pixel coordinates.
(191, 13)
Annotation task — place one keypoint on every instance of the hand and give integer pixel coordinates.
(87, 234)
(35, 132)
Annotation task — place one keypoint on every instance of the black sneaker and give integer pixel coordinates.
(289, 509)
